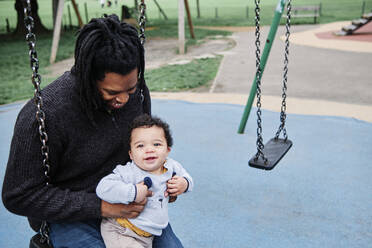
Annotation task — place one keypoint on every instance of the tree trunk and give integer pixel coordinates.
(38, 26)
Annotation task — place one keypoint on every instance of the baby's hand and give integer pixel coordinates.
(142, 192)
(176, 186)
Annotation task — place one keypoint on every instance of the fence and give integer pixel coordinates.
(233, 15)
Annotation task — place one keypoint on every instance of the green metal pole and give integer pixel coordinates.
(265, 54)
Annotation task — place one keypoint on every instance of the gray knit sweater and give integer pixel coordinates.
(80, 155)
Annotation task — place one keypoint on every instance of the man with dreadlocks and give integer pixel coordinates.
(88, 110)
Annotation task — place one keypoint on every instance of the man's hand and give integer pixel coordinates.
(176, 186)
(131, 210)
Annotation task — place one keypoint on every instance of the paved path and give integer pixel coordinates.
(161, 52)
(332, 70)
(326, 76)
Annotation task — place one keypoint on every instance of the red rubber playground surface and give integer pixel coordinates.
(362, 34)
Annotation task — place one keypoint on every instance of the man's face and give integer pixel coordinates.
(115, 88)
(149, 148)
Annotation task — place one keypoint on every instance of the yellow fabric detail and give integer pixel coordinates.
(125, 223)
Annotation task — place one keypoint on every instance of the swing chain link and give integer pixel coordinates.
(44, 232)
(142, 26)
(259, 142)
(285, 74)
(142, 22)
(40, 114)
(36, 81)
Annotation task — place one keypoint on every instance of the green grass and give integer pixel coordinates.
(15, 68)
(232, 12)
(15, 71)
(165, 30)
(183, 77)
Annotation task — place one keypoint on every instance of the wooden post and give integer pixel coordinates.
(216, 12)
(56, 32)
(136, 5)
(86, 12)
(54, 9)
(69, 16)
(320, 9)
(124, 13)
(198, 8)
(181, 27)
(64, 23)
(161, 10)
(189, 20)
(7, 25)
(77, 13)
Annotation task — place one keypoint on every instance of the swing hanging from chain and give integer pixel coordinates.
(41, 239)
(268, 155)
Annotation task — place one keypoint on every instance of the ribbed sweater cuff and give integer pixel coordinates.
(133, 194)
(93, 209)
(188, 184)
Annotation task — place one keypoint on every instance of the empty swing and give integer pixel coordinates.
(268, 155)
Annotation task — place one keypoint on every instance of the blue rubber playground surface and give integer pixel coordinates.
(319, 195)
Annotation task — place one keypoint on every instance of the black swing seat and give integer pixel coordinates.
(273, 151)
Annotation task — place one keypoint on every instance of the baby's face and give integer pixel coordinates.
(149, 148)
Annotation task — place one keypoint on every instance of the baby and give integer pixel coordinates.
(150, 142)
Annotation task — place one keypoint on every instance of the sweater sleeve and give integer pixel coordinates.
(180, 171)
(116, 188)
(24, 189)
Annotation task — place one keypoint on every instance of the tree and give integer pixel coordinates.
(38, 26)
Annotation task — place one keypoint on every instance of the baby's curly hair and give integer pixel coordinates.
(146, 121)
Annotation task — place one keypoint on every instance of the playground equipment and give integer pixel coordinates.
(268, 155)
(275, 149)
(355, 25)
(41, 239)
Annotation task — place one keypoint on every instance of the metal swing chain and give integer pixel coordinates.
(142, 26)
(36, 81)
(142, 21)
(285, 73)
(259, 142)
(40, 114)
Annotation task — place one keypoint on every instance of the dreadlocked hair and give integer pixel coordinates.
(105, 45)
